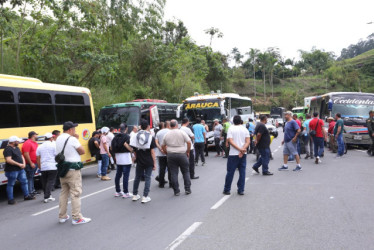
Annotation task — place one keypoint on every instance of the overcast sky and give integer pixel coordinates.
(289, 25)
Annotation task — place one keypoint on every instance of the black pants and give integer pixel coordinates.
(176, 162)
(217, 142)
(112, 166)
(371, 148)
(192, 164)
(48, 179)
(163, 164)
(199, 151)
(206, 147)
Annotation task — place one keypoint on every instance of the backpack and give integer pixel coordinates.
(118, 143)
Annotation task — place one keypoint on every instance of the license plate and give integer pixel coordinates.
(357, 137)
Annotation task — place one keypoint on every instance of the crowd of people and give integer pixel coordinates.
(170, 149)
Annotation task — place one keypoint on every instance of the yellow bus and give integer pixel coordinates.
(28, 104)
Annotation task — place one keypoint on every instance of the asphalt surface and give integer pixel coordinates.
(325, 206)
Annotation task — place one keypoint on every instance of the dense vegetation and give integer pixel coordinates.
(123, 49)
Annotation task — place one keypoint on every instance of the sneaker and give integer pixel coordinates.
(51, 198)
(240, 193)
(98, 176)
(29, 197)
(188, 192)
(135, 197)
(127, 195)
(81, 221)
(203, 164)
(283, 168)
(45, 200)
(255, 169)
(146, 199)
(317, 160)
(226, 193)
(267, 173)
(63, 220)
(118, 194)
(298, 168)
(105, 178)
(12, 202)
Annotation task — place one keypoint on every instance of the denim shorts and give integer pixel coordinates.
(290, 148)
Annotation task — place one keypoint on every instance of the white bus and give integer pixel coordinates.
(215, 106)
(354, 108)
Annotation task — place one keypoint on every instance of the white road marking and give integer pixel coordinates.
(86, 196)
(184, 236)
(221, 201)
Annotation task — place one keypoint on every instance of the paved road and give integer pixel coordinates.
(326, 206)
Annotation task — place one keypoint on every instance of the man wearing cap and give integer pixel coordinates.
(46, 162)
(370, 125)
(291, 133)
(105, 154)
(29, 153)
(71, 183)
(14, 169)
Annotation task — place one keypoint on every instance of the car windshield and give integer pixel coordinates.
(205, 114)
(113, 117)
(350, 110)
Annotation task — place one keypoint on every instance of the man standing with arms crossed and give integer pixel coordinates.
(71, 183)
(238, 137)
(175, 149)
(262, 142)
(291, 132)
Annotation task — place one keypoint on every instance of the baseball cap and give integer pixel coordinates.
(330, 118)
(68, 125)
(32, 133)
(14, 139)
(48, 135)
(105, 129)
(288, 113)
(216, 120)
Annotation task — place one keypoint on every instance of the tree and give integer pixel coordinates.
(316, 61)
(213, 32)
(253, 54)
(236, 55)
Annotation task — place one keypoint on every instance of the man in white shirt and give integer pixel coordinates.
(188, 131)
(161, 156)
(109, 138)
(238, 137)
(46, 162)
(71, 183)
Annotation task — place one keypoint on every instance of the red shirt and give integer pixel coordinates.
(31, 147)
(298, 122)
(331, 127)
(313, 125)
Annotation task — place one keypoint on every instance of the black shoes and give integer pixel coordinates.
(195, 177)
(29, 197)
(12, 202)
(177, 194)
(267, 173)
(255, 169)
(188, 192)
(226, 193)
(240, 193)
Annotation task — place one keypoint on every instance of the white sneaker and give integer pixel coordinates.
(127, 195)
(51, 198)
(135, 197)
(146, 199)
(46, 200)
(118, 194)
(63, 220)
(81, 221)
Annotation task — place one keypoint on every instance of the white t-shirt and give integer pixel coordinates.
(109, 138)
(47, 153)
(71, 153)
(238, 133)
(189, 133)
(160, 137)
(123, 158)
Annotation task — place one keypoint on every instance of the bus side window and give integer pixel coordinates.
(35, 109)
(8, 110)
(72, 108)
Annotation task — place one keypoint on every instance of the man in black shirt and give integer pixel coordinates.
(14, 169)
(263, 144)
(144, 144)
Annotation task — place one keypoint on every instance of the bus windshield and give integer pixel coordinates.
(351, 110)
(205, 114)
(113, 117)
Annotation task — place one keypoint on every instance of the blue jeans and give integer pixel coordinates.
(234, 162)
(340, 144)
(298, 146)
(140, 171)
(125, 171)
(318, 146)
(263, 160)
(12, 177)
(30, 175)
(104, 164)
